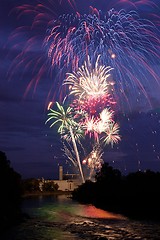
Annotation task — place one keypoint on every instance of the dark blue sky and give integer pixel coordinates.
(33, 148)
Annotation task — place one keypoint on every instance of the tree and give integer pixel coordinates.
(50, 186)
(10, 187)
(30, 185)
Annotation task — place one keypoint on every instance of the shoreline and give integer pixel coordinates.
(35, 194)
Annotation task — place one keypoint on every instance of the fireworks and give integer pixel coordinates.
(122, 39)
(66, 123)
(63, 117)
(72, 129)
(110, 35)
(125, 41)
(94, 160)
(106, 59)
(90, 86)
(89, 114)
(97, 127)
(112, 134)
(89, 82)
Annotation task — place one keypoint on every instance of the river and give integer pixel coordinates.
(60, 218)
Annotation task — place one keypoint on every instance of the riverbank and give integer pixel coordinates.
(136, 195)
(45, 193)
(60, 218)
(131, 207)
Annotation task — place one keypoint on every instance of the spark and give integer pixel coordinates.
(112, 134)
(64, 117)
(87, 82)
(90, 86)
(49, 105)
(65, 37)
(94, 160)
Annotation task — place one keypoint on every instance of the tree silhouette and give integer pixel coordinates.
(10, 187)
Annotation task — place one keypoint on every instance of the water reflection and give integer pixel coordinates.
(60, 218)
(59, 208)
(90, 211)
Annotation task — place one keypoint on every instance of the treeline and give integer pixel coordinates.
(136, 195)
(11, 192)
(33, 185)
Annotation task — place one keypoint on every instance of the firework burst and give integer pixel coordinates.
(91, 86)
(87, 47)
(88, 81)
(94, 160)
(112, 134)
(97, 127)
(64, 117)
(126, 41)
(122, 39)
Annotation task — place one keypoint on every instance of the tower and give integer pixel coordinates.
(60, 172)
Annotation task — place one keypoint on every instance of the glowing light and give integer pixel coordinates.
(90, 86)
(106, 115)
(94, 160)
(112, 134)
(88, 81)
(64, 117)
(113, 55)
(123, 39)
(49, 105)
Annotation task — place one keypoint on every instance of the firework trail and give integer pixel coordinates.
(72, 129)
(69, 153)
(89, 89)
(122, 39)
(126, 41)
(92, 101)
(66, 122)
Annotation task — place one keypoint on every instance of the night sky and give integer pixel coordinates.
(32, 147)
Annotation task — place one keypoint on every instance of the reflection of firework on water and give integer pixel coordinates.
(94, 160)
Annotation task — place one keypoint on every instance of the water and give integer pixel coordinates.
(60, 218)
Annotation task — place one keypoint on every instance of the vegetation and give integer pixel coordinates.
(30, 185)
(33, 186)
(13, 188)
(136, 195)
(10, 200)
(50, 186)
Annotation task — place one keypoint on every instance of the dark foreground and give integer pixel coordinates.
(136, 196)
(60, 218)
